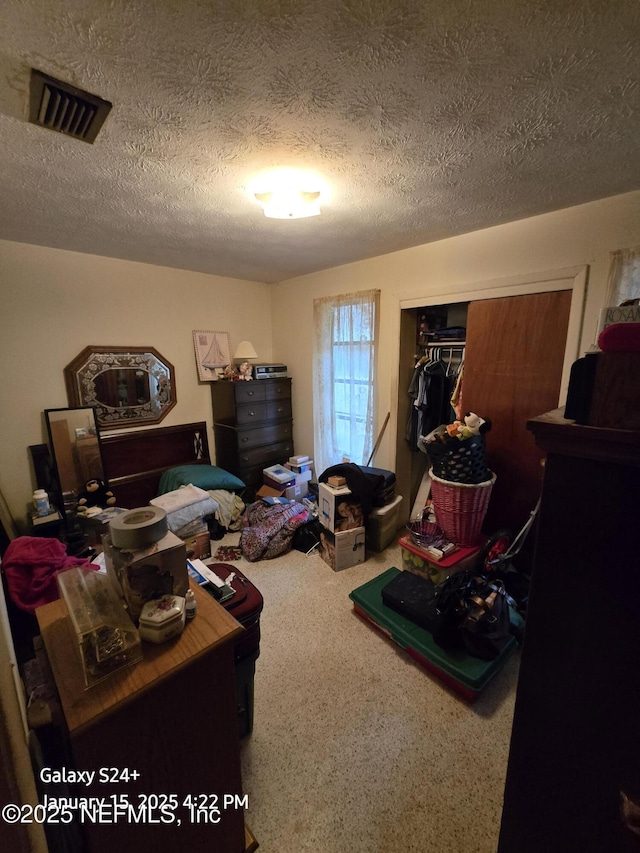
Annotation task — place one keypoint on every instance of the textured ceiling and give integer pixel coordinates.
(427, 119)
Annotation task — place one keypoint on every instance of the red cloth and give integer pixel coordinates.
(620, 337)
(31, 564)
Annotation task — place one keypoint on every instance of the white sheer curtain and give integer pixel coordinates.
(345, 336)
(624, 276)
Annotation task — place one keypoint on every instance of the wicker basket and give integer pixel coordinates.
(458, 461)
(460, 508)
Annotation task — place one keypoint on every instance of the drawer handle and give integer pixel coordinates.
(252, 414)
(250, 393)
(244, 439)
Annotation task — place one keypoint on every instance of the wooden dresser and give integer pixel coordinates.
(575, 744)
(172, 719)
(252, 426)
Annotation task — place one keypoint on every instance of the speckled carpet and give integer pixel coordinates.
(355, 747)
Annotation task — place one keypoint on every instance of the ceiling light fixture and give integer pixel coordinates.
(289, 203)
(288, 193)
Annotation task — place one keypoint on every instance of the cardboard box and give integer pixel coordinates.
(278, 477)
(198, 545)
(298, 460)
(336, 482)
(343, 550)
(296, 492)
(339, 509)
(148, 573)
(301, 468)
(292, 493)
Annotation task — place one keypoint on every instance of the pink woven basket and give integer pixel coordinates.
(460, 508)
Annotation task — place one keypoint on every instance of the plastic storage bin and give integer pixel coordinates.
(466, 675)
(382, 525)
(416, 559)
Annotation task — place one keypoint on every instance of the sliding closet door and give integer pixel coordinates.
(513, 369)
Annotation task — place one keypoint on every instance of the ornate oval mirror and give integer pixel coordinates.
(127, 386)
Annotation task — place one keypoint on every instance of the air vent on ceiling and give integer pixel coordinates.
(64, 108)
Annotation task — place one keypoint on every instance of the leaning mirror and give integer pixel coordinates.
(127, 386)
(75, 450)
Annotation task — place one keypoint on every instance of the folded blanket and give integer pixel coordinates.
(31, 564)
(179, 498)
(181, 517)
(230, 508)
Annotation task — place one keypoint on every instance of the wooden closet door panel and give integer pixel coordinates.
(513, 369)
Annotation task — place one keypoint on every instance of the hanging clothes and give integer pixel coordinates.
(431, 390)
(456, 394)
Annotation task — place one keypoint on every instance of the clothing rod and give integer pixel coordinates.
(445, 345)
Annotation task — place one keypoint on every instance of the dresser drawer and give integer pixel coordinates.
(252, 473)
(278, 409)
(249, 392)
(277, 389)
(267, 434)
(265, 456)
(255, 412)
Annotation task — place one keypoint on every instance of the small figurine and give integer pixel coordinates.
(472, 425)
(230, 372)
(245, 371)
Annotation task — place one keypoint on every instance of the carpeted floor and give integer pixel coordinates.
(355, 747)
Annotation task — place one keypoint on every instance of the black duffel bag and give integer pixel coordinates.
(472, 611)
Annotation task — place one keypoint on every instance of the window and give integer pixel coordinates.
(344, 377)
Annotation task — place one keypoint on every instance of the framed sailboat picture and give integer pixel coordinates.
(213, 353)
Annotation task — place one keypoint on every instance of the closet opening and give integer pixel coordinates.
(432, 338)
(522, 336)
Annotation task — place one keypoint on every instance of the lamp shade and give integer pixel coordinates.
(245, 350)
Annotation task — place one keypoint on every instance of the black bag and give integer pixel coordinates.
(472, 612)
(413, 597)
(307, 537)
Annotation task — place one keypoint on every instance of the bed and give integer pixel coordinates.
(135, 461)
(142, 466)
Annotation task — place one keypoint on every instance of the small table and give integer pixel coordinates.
(171, 719)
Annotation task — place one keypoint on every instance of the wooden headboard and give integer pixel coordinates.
(134, 461)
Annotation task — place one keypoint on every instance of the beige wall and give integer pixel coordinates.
(54, 303)
(573, 237)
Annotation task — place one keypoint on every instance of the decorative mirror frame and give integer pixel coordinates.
(80, 378)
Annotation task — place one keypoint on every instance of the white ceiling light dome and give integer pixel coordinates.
(289, 194)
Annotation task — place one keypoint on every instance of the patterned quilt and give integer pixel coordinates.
(268, 530)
